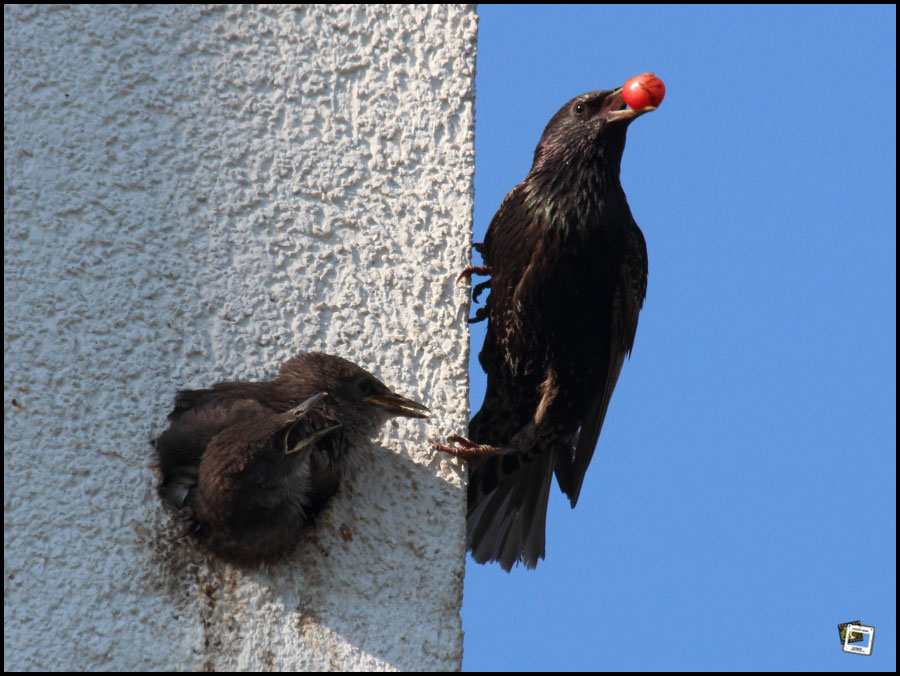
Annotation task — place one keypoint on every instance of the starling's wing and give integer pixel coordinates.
(503, 226)
(570, 475)
(512, 248)
(220, 394)
(193, 426)
(259, 483)
(235, 501)
(508, 251)
(628, 298)
(508, 494)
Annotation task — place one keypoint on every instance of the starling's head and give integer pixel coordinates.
(591, 127)
(352, 391)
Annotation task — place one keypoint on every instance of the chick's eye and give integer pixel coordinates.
(364, 386)
(579, 108)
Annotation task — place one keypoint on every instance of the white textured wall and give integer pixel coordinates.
(195, 194)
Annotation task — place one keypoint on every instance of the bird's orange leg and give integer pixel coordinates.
(464, 448)
(474, 270)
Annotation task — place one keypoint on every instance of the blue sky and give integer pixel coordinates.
(742, 499)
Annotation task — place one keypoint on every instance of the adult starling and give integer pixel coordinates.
(568, 275)
(251, 463)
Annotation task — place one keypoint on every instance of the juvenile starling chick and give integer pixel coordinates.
(568, 269)
(251, 464)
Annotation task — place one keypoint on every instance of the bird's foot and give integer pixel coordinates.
(480, 315)
(474, 270)
(479, 288)
(464, 448)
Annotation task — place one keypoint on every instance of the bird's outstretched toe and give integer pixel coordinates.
(473, 270)
(464, 448)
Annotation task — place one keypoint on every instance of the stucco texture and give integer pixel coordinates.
(195, 194)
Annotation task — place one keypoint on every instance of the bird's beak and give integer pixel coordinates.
(397, 405)
(619, 112)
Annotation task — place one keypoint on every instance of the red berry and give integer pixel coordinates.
(643, 90)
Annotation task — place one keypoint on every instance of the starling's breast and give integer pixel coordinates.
(564, 298)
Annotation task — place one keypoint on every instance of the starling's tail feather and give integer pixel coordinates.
(508, 523)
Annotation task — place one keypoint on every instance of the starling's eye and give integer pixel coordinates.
(365, 387)
(579, 108)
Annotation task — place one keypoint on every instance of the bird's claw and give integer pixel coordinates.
(480, 315)
(474, 270)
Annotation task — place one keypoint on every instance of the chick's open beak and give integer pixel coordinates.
(397, 405)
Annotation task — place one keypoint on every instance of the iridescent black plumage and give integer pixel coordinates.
(252, 463)
(568, 268)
